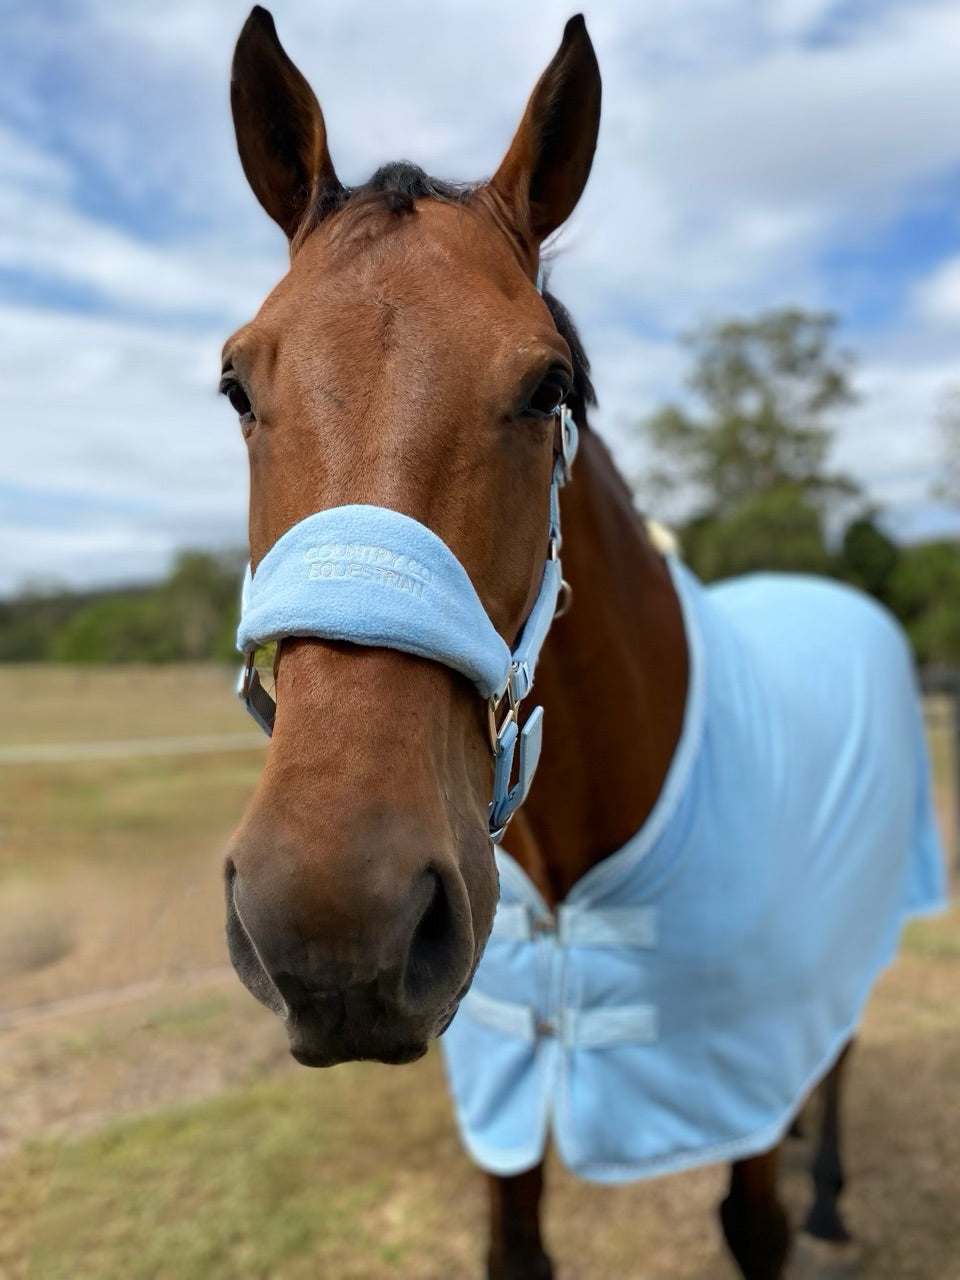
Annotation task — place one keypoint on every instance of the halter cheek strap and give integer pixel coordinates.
(372, 576)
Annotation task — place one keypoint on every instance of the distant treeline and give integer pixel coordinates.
(919, 584)
(192, 616)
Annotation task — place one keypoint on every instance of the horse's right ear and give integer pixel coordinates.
(281, 136)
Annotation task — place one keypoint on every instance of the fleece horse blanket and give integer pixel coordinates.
(694, 986)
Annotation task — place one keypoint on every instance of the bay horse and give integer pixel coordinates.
(411, 397)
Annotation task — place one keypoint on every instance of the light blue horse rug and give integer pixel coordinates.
(694, 986)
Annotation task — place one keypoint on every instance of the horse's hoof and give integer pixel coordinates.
(814, 1259)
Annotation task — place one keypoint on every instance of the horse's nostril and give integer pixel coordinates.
(433, 949)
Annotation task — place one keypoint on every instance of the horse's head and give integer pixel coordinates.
(408, 362)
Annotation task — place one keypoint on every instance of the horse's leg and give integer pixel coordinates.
(516, 1248)
(824, 1221)
(755, 1223)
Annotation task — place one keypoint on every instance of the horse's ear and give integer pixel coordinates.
(281, 136)
(543, 174)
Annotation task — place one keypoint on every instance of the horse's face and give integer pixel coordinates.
(406, 361)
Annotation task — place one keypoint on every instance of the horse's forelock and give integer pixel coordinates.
(393, 191)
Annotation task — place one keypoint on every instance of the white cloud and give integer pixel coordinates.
(833, 127)
(938, 297)
(116, 449)
(889, 440)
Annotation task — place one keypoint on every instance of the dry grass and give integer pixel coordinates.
(173, 1138)
(110, 870)
(34, 934)
(83, 704)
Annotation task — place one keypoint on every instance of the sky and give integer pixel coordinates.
(752, 154)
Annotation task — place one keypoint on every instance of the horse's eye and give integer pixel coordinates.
(231, 388)
(550, 394)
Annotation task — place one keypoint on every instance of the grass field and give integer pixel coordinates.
(167, 1135)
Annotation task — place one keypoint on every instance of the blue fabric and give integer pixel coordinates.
(695, 985)
(376, 577)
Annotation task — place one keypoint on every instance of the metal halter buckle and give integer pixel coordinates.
(254, 696)
(505, 738)
(495, 725)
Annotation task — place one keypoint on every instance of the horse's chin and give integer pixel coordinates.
(398, 1056)
(319, 1038)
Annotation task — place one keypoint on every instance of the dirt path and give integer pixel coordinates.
(100, 1002)
(70, 1066)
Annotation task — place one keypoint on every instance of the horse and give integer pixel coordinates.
(412, 396)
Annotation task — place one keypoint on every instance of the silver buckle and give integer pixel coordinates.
(496, 727)
(254, 696)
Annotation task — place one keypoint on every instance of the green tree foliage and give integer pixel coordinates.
(190, 617)
(753, 452)
(121, 628)
(776, 529)
(28, 623)
(869, 558)
(925, 595)
(203, 597)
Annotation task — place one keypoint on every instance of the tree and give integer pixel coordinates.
(768, 386)
(190, 617)
(202, 597)
(124, 627)
(925, 595)
(868, 557)
(752, 454)
(776, 530)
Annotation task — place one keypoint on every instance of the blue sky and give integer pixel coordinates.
(752, 154)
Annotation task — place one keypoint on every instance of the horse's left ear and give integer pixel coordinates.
(543, 174)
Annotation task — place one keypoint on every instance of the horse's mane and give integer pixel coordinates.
(394, 189)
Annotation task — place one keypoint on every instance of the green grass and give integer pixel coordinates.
(198, 1019)
(186, 1020)
(937, 938)
(274, 1180)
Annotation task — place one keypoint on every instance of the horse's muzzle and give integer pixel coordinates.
(381, 993)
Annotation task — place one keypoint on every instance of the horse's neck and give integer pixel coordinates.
(612, 680)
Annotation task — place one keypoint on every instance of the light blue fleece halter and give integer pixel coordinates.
(372, 576)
